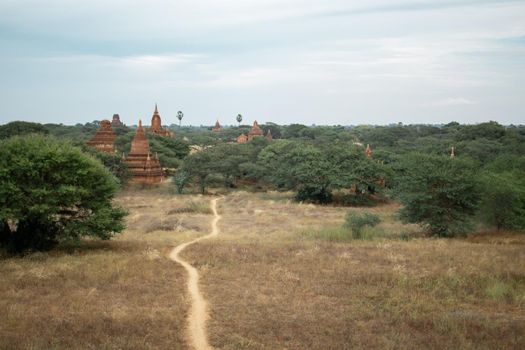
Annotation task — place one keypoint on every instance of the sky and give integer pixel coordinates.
(330, 62)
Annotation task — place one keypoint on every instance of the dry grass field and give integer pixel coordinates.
(273, 285)
(280, 275)
(118, 294)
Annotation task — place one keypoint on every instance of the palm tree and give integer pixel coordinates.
(239, 119)
(179, 116)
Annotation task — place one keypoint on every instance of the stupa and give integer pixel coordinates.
(368, 151)
(104, 138)
(255, 131)
(217, 127)
(242, 139)
(141, 164)
(116, 120)
(269, 135)
(156, 125)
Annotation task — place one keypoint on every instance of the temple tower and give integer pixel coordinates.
(116, 120)
(156, 124)
(255, 131)
(143, 167)
(217, 127)
(104, 138)
(368, 151)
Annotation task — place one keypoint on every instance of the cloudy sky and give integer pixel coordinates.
(285, 61)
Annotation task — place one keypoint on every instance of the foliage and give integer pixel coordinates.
(50, 192)
(180, 180)
(21, 128)
(357, 222)
(503, 199)
(437, 192)
(113, 162)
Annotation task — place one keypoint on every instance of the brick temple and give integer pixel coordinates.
(116, 120)
(144, 167)
(242, 139)
(104, 138)
(217, 127)
(255, 131)
(156, 125)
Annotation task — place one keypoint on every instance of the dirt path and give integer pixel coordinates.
(198, 314)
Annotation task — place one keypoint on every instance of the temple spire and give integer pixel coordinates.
(368, 151)
(140, 123)
(452, 152)
(156, 109)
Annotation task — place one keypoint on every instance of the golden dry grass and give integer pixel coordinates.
(269, 285)
(269, 288)
(119, 294)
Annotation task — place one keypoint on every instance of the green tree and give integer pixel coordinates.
(180, 180)
(438, 192)
(50, 192)
(503, 199)
(21, 128)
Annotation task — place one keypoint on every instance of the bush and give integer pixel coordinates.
(50, 192)
(357, 222)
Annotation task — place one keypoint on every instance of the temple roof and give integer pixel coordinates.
(255, 130)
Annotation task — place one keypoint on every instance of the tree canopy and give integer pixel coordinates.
(50, 192)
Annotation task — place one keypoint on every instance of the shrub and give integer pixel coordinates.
(357, 222)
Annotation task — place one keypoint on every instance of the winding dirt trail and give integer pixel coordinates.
(198, 314)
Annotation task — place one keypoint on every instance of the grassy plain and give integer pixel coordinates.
(118, 294)
(280, 275)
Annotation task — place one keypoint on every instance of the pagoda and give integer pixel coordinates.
(217, 127)
(269, 135)
(255, 131)
(116, 120)
(156, 125)
(368, 151)
(242, 139)
(141, 164)
(104, 138)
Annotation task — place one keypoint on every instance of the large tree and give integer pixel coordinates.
(50, 192)
(438, 192)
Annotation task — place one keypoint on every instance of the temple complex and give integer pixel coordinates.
(104, 138)
(116, 120)
(242, 139)
(269, 135)
(217, 127)
(255, 131)
(156, 125)
(141, 164)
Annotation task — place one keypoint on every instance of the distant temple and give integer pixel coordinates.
(269, 135)
(141, 164)
(255, 131)
(104, 138)
(368, 151)
(116, 120)
(242, 139)
(217, 127)
(156, 125)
